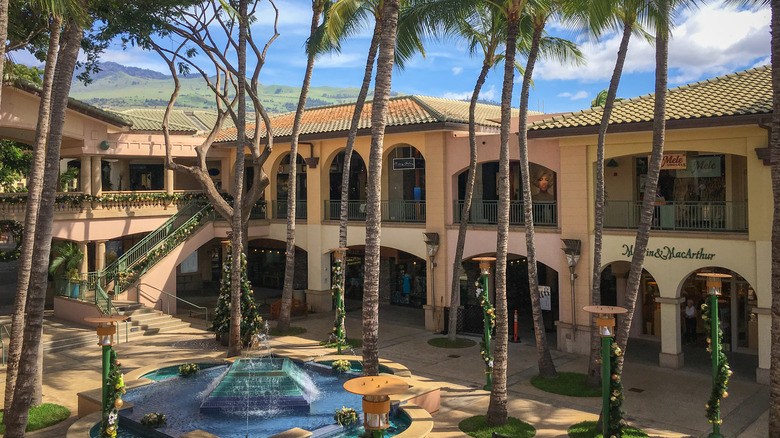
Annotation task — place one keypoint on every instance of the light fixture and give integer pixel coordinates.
(376, 392)
(571, 247)
(432, 243)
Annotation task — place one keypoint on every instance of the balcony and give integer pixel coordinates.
(279, 209)
(486, 212)
(394, 210)
(723, 216)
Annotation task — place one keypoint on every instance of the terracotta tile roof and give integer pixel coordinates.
(402, 110)
(145, 119)
(742, 93)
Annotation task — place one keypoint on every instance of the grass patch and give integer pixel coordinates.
(587, 429)
(42, 416)
(445, 343)
(292, 331)
(353, 343)
(478, 428)
(571, 384)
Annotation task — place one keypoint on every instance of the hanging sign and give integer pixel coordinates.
(545, 299)
(403, 163)
(673, 161)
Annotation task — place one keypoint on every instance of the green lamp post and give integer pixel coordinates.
(338, 293)
(720, 367)
(488, 316)
(605, 321)
(106, 329)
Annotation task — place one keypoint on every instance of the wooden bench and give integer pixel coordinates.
(296, 306)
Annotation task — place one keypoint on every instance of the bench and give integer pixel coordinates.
(296, 307)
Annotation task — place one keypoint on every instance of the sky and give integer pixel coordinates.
(708, 41)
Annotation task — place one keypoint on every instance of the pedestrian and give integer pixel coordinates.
(690, 322)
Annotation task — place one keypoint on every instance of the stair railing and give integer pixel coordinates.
(168, 300)
(3, 328)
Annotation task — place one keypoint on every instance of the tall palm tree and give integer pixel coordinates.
(28, 364)
(317, 7)
(384, 72)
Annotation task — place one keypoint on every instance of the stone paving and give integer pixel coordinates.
(668, 403)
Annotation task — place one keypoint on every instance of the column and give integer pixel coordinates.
(84, 268)
(124, 174)
(168, 181)
(671, 355)
(97, 182)
(100, 255)
(85, 175)
(318, 293)
(764, 343)
(227, 173)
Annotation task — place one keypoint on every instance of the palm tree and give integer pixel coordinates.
(3, 35)
(384, 72)
(601, 99)
(774, 144)
(317, 7)
(28, 363)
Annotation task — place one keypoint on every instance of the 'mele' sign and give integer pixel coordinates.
(669, 253)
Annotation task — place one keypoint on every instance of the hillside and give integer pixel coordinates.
(121, 87)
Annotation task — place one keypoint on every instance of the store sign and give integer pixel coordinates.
(673, 161)
(403, 163)
(701, 167)
(670, 253)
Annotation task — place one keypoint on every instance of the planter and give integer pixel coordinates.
(73, 290)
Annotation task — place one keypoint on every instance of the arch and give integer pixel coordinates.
(405, 177)
(356, 203)
(647, 316)
(266, 264)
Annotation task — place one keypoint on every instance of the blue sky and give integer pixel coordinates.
(709, 41)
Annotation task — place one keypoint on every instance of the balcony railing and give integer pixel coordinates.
(680, 215)
(279, 209)
(486, 212)
(393, 210)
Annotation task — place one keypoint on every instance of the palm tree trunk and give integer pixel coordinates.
(384, 72)
(289, 265)
(28, 364)
(544, 358)
(774, 368)
(353, 127)
(237, 246)
(34, 186)
(593, 378)
(3, 36)
(497, 413)
(651, 184)
(465, 211)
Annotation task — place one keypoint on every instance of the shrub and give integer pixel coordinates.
(188, 369)
(345, 416)
(341, 365)
(154, 420)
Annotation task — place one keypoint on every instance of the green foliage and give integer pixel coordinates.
(352, 343)
(32, 74)
(721, 381)
(154, 420)
(116, 388)
(250, 318)
(67, 177)
(67, 259)
(489, 313)
(341, 365)
(188, 369)
(15, 161)
(445, 343)
(589, 429)
(601, 99)
(15, 229)
(345, 416)
(478, 428)
(42, 416)
(616, 414)
(337, 291)
(571, 384)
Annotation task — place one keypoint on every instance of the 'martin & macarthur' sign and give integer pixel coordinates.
(669, 253)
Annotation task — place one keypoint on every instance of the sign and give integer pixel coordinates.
(403, 163)
(670, 253)
(190, 264)
(672, 161)
(702, 167)
(545, 299)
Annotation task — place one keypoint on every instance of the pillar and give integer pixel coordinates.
(318, 293)
(168, 182)
(85, 175)
(764, 343)
(84, 268)
(100, 255)
(671, 355)
(227, 173)
(97, 182)
(124, 174)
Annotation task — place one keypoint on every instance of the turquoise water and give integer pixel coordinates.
(173, 371)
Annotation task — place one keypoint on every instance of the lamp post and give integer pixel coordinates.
(106, 329)
(338, 287)
(572, 250)
(432, 246)
(714, 284)
(487, 317)
(605, 320)
(376, 392)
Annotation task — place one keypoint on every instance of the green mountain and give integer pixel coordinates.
(119, 87)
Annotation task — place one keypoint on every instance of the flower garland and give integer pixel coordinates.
(489, 312)
(16, 229)
(337, 291)
(616, 397)
(116, 387)
(76, 199)
(720, 385)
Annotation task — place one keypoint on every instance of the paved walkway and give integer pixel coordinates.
(668, 403)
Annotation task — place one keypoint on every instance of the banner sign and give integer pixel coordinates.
(702, 167)
(672, 161)
(669, 253)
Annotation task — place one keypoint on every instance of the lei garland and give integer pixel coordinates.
(116, 387)
(616, 397)
(490, 311)
(720, 385)
(15, 228)
(75, 200)
(337, 291)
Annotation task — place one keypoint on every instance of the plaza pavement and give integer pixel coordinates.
(667, 403)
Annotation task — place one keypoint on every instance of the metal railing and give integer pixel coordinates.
(279, 209)
(393, 210)
(3, 328)
(486, 212)
(680, 215)
(168, 300)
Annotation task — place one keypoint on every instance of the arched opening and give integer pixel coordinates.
(647, 313)
(405, 186)
(266, 267)
(356, 200)
(484, 207)
(282, 187)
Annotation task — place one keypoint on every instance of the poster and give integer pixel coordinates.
(190, 264)
(545, 298)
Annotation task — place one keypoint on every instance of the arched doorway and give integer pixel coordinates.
(647, 313)
(402, 276)
(356, 204)
(405, 186)
(283, 184)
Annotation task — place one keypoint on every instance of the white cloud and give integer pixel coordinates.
(335, 60)
(708, 41)
(457, 70)
(489, 94)
(574, 96)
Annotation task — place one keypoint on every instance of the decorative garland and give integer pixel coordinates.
(721, 382)
(616, 414)
(337, 291)
(345, 416)
(116, 387)
(490, 311)
(16, 229)
(77, 198)
(341, 365)
(154, 420)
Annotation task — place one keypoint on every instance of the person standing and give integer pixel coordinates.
(690, 322)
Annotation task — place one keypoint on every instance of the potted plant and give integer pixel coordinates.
(65, 266)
